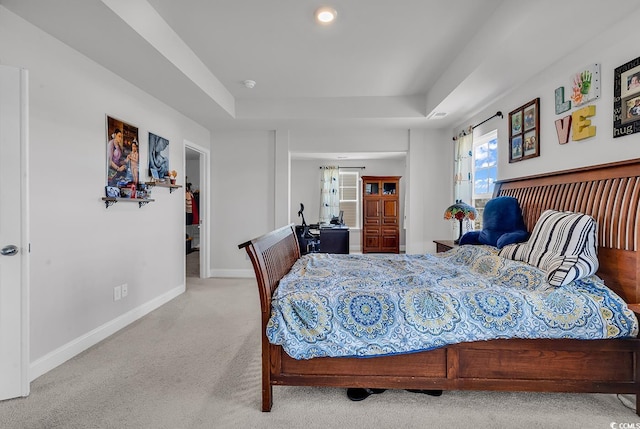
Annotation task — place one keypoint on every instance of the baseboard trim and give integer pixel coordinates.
(73, 348)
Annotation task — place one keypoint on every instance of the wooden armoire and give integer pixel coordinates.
(381, 214)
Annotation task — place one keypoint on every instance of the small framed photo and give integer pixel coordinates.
(112, 191)
(524, 133)
(530, 117)
(630, 82)
(516, 122)
(530, 143)
(516, 148)
(631, 109)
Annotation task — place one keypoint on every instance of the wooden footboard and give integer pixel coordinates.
(605, 366)
(588, 366)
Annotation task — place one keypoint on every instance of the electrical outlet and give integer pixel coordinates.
(117, 293)
(125, 290)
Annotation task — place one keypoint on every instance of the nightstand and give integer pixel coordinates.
(444, 245)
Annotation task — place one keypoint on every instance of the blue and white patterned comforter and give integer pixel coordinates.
(366, 305)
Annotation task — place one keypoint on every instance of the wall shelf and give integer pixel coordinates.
(109, 201)
(163, 185)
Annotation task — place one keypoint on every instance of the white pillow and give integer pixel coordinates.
(563, 244)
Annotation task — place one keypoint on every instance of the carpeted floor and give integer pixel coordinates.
(195, 363)
(192, 263)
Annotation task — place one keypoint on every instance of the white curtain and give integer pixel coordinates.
(463, 157)
(463, 180)
(329, 194)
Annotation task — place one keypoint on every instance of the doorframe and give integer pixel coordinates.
(204, 208)
(25, 237)
(23, 388)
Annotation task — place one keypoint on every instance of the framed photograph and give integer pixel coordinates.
(516, 122)
(630, 82)
(516, 148)
(524, 133)
(626, 99)
(631, 109)
(530, 146)
(158, 156)
(112, 191)
(530, 115)
(123, 156)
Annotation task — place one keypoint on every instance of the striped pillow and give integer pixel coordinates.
(563, 244)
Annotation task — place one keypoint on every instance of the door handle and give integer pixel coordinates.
(9, 250)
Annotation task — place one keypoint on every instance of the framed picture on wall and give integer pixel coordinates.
(626, 99)
(158, 157)
(524, 132)
(123, 157)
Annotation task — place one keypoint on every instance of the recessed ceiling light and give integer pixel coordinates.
(249, 83)
(326, 15)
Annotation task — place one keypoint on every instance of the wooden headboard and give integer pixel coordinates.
(608, 192)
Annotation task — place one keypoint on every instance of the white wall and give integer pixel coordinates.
(337, 140)
(242, 178)
(80, 250)
(429, 189)
(611, 49)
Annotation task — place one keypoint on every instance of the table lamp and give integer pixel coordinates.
(460, 211)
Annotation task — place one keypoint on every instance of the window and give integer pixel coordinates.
(349, 200)
(485, 171)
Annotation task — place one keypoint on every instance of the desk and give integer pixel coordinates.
(328, 240)
(334, 240)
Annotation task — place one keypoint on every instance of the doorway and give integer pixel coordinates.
(196, 233)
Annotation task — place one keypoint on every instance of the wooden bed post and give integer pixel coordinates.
(267, 388)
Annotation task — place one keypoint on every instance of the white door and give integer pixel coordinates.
(14, 350)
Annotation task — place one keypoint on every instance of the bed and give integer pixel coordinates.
(609, 193)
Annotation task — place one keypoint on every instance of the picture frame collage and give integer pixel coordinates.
(626, 100)
(524, 131)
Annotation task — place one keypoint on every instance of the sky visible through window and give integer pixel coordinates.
(485, 162)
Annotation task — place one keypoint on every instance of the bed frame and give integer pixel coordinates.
(610, 193)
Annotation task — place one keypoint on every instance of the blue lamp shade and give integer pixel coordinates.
(460, 211)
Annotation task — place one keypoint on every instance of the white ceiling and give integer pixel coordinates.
(381, 64)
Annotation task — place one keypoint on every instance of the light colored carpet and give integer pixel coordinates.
(195, 363)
